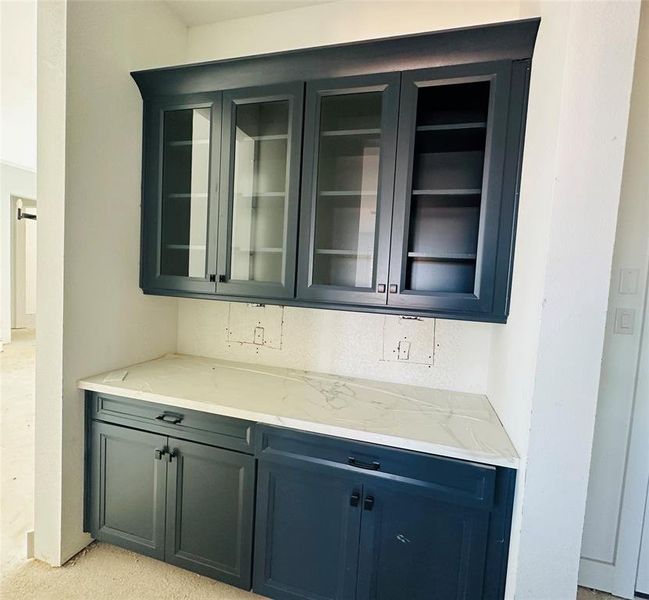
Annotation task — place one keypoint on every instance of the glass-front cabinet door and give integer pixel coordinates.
(178, 240)
(452, 139)
(347, 185)
(262, 132)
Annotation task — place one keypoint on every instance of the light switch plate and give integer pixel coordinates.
(629, 281)
(624, 321)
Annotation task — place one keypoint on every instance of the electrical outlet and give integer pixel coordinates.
(403, 350)
(410, 339)
(259, 336)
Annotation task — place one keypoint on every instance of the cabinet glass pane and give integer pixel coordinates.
(261, 148)
(347, 188)
(447, 187)
(185, 187)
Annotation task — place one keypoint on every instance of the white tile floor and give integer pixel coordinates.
(101, 571)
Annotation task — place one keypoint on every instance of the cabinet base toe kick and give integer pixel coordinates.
(324, 517)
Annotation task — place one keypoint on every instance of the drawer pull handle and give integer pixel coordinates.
(370, 466)
(170, 418)
(355, 499)
(369, 503)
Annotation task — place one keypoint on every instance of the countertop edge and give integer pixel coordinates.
(308, 426)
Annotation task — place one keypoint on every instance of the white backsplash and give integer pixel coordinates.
(435, 353)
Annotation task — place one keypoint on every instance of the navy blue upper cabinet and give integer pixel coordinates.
(457, 131)
(260, 174)
(181, 147)
(347, 184)
(379, 176)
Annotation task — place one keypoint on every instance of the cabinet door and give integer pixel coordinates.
(347, 187)
(306, 534)
(260, 171)
(416, 546)
(210, 499)
(181, 145)
(127, 488)
(450, 204)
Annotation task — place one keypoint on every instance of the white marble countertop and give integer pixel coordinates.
(454, 424)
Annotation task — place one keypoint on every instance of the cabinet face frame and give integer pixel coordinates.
(388, 85)
(271, 474)
(238, 574)
(100, 434)
(395, 495)
(494, 196)
(293, 94)
(151, 277)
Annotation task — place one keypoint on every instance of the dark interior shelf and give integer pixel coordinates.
(185, 246)
(268, 138)
(448, 192)
(197, 142)
(344, 253)
(259, 250)
(442, 256)
(350, 132)
(187, 195)
(451, 126)
(262, 195)
(348, 193)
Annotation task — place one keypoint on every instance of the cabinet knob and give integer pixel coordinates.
(369, 503)
(171, 455)
(157, 453)
(355, 499)
(222, 278)
(393, 288)
(380, 288)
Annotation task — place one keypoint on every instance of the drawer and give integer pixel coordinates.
(216, 430)
(450, 479)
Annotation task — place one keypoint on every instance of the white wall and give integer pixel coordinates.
(92, 316)
(14, 181)
(602, 555)
(587, 166)
(444, 354)
(18, 83)
(17, 130)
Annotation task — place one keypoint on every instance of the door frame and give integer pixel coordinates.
(636, 479)
(619, 578)
(17, 283)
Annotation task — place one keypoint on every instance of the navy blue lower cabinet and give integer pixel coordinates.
(306, 535)
(187, 503)
(210, 500)
(128, 479)
(417, 547)
(345, 520)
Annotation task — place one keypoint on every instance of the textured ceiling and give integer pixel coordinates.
(201, 12)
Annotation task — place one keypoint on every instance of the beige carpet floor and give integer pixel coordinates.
(104, 572)
(16, 446)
